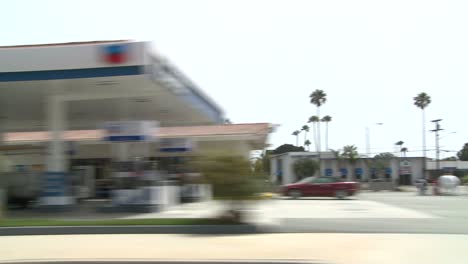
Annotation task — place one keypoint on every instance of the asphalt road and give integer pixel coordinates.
(380, 212)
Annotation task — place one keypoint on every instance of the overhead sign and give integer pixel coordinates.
(405, 171)
(175, 145)
(115, 54)
(405, 163)
(130, 130)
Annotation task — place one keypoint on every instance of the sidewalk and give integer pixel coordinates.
(257, 213)
(317, 248)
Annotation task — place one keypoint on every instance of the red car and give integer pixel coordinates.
(320, 186)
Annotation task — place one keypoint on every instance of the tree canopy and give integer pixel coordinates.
(326, 118)
(287, 148)
(313, 119)
(422, 100)
(350, 152)
(463, 153)
(318, 97)
(305, 168)
(384, 155)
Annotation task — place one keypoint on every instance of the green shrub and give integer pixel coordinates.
(305, 168)
(465, 179)
(230, 176)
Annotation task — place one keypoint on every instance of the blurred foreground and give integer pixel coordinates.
(347, 248)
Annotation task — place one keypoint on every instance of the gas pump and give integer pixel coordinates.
(134, 175)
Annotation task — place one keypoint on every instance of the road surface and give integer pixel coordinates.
(381, 212)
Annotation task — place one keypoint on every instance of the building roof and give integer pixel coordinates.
(65, 44)
(253, 129)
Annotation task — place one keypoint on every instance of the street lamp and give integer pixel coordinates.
(368, 148)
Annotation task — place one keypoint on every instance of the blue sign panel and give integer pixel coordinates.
(388, 170)
(175, 145)
(54, 184)
(344, 172)
(181, 149)
(126, 138)
(358, 171)
(449, 169)
(328, 172)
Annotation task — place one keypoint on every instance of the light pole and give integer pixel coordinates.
(368, 148)
(436, 130)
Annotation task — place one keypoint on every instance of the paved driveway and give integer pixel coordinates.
(371, 212)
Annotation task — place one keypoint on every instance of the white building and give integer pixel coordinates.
(403, 171)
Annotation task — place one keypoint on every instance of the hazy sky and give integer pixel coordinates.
(260, 60)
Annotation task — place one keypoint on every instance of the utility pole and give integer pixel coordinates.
(436, 130)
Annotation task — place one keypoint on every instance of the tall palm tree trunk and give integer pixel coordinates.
(326, 136)
(424, 141)
(305, 137)
(314, 130)
(318, 130)
(297, 140)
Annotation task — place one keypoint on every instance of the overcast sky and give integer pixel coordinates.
(260, 60)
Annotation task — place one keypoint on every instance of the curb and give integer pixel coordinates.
(135, 229)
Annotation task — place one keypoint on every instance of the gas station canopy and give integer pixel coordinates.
(98, 81)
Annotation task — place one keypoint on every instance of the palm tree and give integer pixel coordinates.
(318, 98)
(350, 153)
(314, 120)
(307, 143)
(296, 133)
(398, 145)
(422, 100)
(326, 119)
(305, 128)
(338, 158)
(403, 151)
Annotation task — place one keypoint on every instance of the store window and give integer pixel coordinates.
(343, 173)
(358, 172)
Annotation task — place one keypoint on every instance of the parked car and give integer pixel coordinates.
(321, 186)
